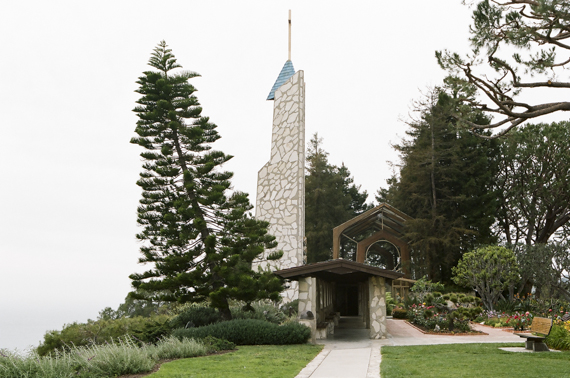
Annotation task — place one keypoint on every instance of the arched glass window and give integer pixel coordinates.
(383, 254)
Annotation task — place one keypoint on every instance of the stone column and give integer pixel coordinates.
(377, 292)
(308, 302)
(281, 181)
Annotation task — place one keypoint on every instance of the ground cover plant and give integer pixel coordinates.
(102, 331)
(559, 337)
(469, 361)
(247, 362)
(113, 359)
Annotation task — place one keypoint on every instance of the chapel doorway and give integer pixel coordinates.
(347, 302)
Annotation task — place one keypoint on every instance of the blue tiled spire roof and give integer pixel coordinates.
(286, 72)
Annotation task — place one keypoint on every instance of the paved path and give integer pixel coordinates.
(352, 354)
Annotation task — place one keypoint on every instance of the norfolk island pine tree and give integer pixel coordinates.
(200, 240)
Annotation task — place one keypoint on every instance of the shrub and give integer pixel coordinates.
(213, 344)
(559, 338)
(34, 366)
(169, 348)
(250, 332)
(153, 330)
(454, 298)
(520, 321)
(97, 332)
(390, 303)
(399, 313)
(291, 308)
(96, 361)
(423, 286)
(260, 310)
(196, 315)
(113, 359)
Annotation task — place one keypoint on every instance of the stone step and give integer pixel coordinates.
(351, 322)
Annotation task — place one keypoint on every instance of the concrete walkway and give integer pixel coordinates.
(350, 353)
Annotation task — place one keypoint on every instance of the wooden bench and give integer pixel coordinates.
(542, 327)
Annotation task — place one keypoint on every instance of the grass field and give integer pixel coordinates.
(258, 361)
(470, 361)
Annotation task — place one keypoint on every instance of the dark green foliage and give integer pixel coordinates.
(533, 183)
(153, 330)
(546, 267)
(260, 310)
(488, 271)
(196, 316)
(559, 338)
(399, 313)
(331, 198)
(444, 184)
(505, 305)
(215, 344)
(199, 240)
(290, 308)
(102, 331)
(250, 332)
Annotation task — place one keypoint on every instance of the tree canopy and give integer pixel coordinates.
(488, 271)
(537, 31)
(200, 239)
(546, 267)
(331, 198)
(444, 184)
(533, 183)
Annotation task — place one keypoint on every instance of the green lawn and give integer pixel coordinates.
(258, 361)
(470, 360)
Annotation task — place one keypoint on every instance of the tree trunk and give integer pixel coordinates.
(225, 310)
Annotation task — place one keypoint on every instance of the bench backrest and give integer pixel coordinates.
(541, 325)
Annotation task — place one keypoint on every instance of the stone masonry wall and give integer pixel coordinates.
(281, 181)
(377, 292)
(307, 302)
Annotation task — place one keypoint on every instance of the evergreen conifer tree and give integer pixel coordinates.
(200, 240)
(444, 184)
(331, 198)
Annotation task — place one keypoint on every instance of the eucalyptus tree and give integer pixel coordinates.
(533, 184)
(199, 238)
(546, 267)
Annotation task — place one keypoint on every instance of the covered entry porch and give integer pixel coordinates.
(340, 291)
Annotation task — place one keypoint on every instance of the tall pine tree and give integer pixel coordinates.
(331, 198)
(444, 184)
(200, 240)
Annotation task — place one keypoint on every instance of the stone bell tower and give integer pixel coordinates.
(281, 181)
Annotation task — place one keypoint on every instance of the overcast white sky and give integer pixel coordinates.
(68, 193)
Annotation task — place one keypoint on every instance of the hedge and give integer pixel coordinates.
(250, 332)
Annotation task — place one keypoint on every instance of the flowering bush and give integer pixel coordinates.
(430, 318)
(520, 321)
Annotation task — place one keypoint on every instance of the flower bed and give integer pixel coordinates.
(472, 332)
(432, 319)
